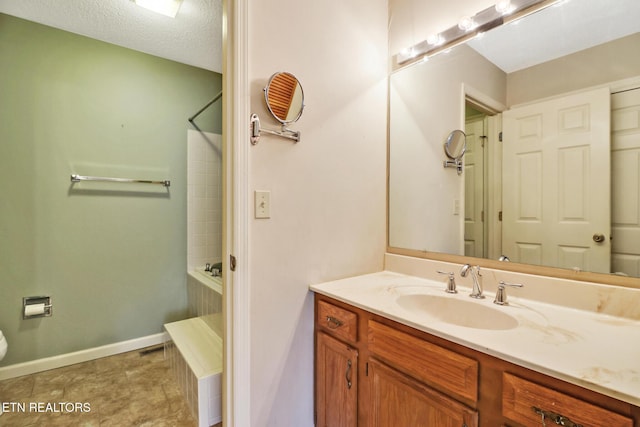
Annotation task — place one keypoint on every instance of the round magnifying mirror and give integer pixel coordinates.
(284, 97)
(456, 145)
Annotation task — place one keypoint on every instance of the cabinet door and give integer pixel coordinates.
(400, 401)
(336, 383)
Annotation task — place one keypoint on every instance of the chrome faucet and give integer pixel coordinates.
(451, 283)
(501, 293)
(476, 292)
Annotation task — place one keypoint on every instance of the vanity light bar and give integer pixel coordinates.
(469, 27)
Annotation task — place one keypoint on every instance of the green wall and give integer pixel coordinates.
(112, 256)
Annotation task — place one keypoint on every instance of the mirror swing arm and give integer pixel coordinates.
(456, 163)
(256, 130)
(453, 164)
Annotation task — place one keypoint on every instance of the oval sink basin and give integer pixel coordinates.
(457, 311)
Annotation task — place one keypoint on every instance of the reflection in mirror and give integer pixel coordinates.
(584, 177)
(284, 97)
(455, 145)
(454, 148)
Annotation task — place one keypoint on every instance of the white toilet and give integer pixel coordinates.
(3, 346)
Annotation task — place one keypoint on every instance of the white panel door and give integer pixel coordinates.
(474, 241)
(556, 182)
(625, 176)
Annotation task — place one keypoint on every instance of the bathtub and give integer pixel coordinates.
(204, 277)
(204, 293)
(194, 350)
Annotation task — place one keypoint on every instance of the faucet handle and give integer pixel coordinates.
(451, 284)
(501, 293)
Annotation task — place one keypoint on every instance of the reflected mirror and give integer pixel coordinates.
(455, 145)
(551, 108)
(284, 97)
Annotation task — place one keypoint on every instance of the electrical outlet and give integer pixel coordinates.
(262, 204)
(456, 207)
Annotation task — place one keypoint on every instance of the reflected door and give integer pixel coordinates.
(625, 161)
(556, 182)
(474, 230)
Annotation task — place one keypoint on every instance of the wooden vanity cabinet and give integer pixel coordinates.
(336, 382)
(336, 376)
(370, 374)
(402, 377)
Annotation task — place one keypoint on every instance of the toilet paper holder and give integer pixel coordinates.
(38, 306)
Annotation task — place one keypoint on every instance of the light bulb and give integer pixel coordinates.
(410, 52)
(435, 40)
(466, 23)
(503, 7)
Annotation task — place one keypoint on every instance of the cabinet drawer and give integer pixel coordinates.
(339, 322)
(520, 397)
(427, 362)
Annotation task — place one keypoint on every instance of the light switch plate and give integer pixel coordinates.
(262, 204)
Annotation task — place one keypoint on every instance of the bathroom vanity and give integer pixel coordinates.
(387, 356)
(522, 183)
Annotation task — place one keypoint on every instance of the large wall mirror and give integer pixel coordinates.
(551, 108)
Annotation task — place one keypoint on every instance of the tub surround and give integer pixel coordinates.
(204, 197)
(204, 293)
(195, 356)
(194, 348)
(579, 332)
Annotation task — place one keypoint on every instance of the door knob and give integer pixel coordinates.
(598, 238)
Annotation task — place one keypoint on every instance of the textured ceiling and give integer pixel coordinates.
(193, 37)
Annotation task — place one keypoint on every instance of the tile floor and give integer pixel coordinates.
(129, 389)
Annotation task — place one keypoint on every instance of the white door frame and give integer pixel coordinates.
(494, 181)
(236, 104)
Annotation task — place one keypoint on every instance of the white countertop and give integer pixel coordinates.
(597, 351)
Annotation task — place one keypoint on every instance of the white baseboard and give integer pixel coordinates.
(39, 365)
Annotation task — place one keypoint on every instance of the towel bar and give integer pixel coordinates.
(78, 178)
